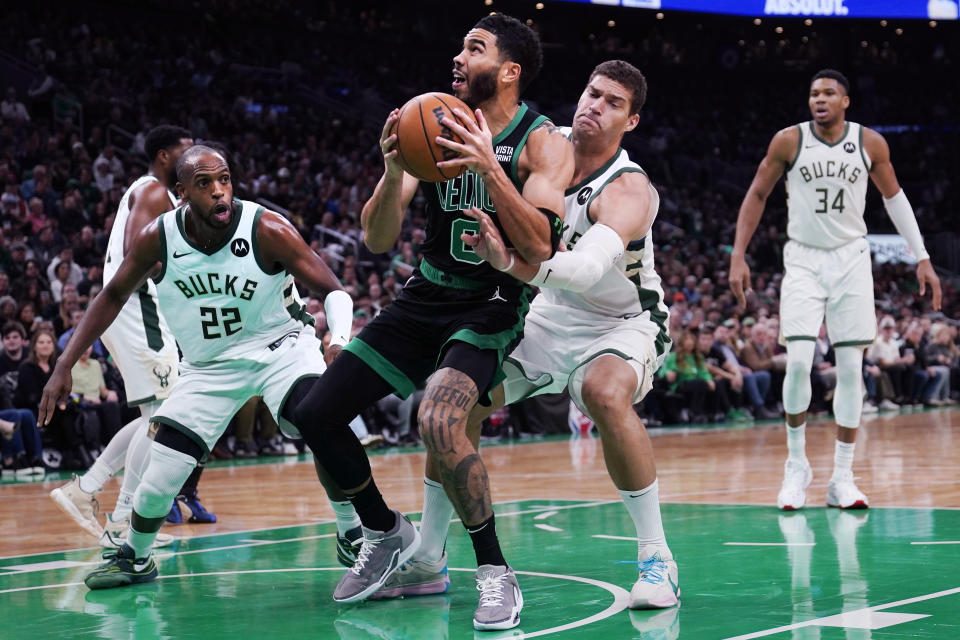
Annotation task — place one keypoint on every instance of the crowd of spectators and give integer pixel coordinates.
(298, 103)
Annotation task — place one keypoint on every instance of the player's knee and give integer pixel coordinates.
(166, 473)
(604, 400)
(438, 423)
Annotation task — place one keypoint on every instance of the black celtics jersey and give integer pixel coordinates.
(443, 249)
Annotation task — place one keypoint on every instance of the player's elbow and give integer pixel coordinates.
(535, 252)
(377, 245)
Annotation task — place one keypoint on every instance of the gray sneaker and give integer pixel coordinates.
(380, 555)
(500, 599)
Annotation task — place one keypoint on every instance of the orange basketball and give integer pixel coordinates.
(417, 130)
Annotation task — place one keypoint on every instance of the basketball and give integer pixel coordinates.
(417, 130)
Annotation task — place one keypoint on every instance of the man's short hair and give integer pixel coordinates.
(833, 74)
(629, 76)
(517, 43)
(163, 137)
(11, 326)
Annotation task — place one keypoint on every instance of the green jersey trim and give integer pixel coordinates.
(846, 130)
(512, 125)
(444, 279)
(187, 431)
(403, 385)
(863, 152)
(256, 245)
(151, 318)
(134, 403)
(616, 174)
(523, 141)
(494, 341)
(163, 250)
(854, 343)
(795, 338)
(538, 384)
(593, 176)
(227, 236)
(796, 156)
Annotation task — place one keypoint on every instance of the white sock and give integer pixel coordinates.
(644, 508)
(95, 477)
(347, 517)
(111, 459)
(843, 458)
(797, 441)
(434, 521)
(141, 542)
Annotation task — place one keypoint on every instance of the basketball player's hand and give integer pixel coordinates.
(331, 352)
(55, 392)
(739, 279)
(476, 150)
(926, 275)
(388, 145)
(487, 241)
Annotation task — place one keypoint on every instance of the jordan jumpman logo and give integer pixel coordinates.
(496, 296)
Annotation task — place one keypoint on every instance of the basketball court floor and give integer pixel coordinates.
(268, 567)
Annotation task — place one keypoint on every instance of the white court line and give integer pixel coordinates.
(256, 543)
(817, 621)
(546, 514)
(769, 544)
(938, 542)
(547, 527)
(601, 535)
(620, 596)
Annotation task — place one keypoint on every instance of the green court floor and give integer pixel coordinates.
(745, 572)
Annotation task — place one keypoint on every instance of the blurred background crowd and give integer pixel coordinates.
(298, 95)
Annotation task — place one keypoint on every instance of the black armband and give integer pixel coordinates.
(556, 229)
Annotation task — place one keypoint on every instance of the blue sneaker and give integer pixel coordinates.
(175, 516)
(198, 514)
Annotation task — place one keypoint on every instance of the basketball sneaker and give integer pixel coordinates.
(348, 546)
(797, 475)
(115, 534)
(83, 507)
(843, 493)
(416, 578)
(658, 586)
(500, 598)
(121, 569)
(198, 514)
(380, 555)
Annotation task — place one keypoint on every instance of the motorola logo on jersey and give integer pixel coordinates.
(240, 247)
(584, 195)
(849, 147)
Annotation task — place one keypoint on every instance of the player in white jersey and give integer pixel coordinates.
(223, 265)
(828, 161)
(140, 343)
(598, 328)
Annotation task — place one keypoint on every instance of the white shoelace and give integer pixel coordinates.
(491, 590)
(364, 554)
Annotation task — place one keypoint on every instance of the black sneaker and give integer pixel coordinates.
(122, 569)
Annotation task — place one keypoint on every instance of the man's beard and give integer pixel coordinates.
(481, 88)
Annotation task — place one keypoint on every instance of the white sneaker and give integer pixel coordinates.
(659, 584)
(797, 475)
(888, 405)
(500, 599)
(115, 534)
(81, 506)
(869, 407)
(843, 493)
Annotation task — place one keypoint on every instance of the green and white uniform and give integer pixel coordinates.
(139, 340)
(623, 314)
(827, 258)
(238, 325)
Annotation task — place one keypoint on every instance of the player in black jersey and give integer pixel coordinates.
(456, 317)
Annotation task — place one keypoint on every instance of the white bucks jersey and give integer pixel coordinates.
(222, 303)
(115, 244)
(631, 287)
(827, 188)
